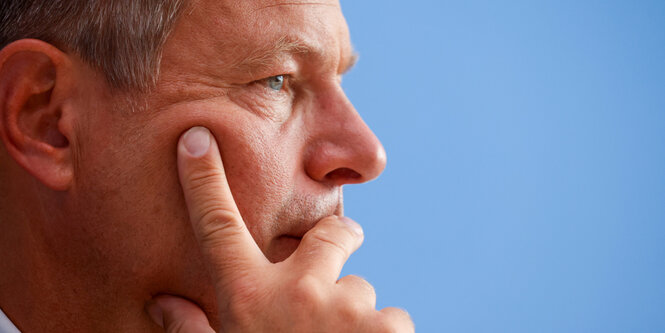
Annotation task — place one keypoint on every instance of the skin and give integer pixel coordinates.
(94, 220)
(301, 294)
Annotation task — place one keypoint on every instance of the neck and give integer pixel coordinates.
(45, 286)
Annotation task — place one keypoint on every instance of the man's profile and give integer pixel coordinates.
(116, 212)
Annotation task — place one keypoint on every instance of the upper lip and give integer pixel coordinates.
(301, 227)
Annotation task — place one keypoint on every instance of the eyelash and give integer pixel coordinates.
(263, 84)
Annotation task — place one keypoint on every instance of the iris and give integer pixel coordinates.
(276, 82)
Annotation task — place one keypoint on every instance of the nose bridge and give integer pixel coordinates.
(345, 149)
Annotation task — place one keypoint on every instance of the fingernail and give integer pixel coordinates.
(156, 314)
(357, 229)
(197, 141)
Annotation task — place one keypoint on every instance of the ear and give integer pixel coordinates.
(35, 125)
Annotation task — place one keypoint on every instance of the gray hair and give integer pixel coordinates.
(121, 38)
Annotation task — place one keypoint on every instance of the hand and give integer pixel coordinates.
(300, 294)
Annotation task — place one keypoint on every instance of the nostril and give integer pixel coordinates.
(343, 174)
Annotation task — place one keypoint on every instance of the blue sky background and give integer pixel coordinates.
(525, 186)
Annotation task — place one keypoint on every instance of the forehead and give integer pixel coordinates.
(234, 24)
(217, 43)
(248, 8)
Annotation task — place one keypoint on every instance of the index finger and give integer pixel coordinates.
(222, 235)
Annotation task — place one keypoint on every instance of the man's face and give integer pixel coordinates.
(288, 142)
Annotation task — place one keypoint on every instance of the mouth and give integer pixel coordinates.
(287, 241)
(282, 247)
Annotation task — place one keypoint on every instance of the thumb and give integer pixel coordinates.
(178, 315)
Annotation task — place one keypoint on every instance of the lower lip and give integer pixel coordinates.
(283, 247)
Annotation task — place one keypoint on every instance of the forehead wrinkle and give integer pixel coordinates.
(286, 46)
(294, 4)
(267, 55)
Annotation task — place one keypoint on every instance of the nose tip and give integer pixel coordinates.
(355, 156)
(365, 167)
(381, 159)
(374, 161)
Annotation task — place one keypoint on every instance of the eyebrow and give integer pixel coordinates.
(262, 58)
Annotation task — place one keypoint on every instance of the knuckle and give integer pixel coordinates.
(216, 222)
(215, 216)
(395, 320)
(352, 311)
(358, 301)
(368, 287)
(201, 179)
(360, 283)
(386, 326)
(308, 291)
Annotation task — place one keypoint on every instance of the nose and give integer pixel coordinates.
(342, 149)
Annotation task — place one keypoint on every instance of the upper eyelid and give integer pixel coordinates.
(265, 91)
(286, 77)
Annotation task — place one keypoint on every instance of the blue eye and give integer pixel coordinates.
(276, 83)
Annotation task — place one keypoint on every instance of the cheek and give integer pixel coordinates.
(259, 167)
(274, 106)
(260, 158)
(131, 220)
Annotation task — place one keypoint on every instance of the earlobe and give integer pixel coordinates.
(33, 89)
